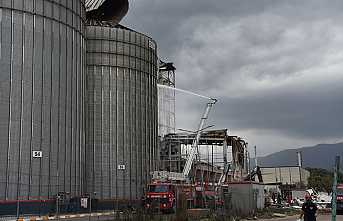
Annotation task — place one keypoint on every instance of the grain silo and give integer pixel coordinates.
(121, 118)
(42, 53)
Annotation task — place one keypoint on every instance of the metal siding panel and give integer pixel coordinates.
(27, 105)
(68, 109)
(55, 83)
(105, 131)
(46, 109)
(5, 68)
(37, 107)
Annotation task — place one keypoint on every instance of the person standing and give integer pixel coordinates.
(309, 209)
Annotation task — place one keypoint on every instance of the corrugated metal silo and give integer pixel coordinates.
(42, 60)
(121, 115)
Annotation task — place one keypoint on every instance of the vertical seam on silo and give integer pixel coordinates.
(65, 105)
(1, 12)
(58, 103)
(130, 119)
(148, 117)
(76, 109)
(83, 115)
(152, 134)
(21, 106)
(124, 120)
(147, 94)
(116, 169)
(93, 152)
(101, 118)
(81, 147)
(110, 166)
(102, 156)
(146, 70)
(142, 147)
(150, 112)
(74, 112)
(32, 96)
(51, 85)
(136, 115)
(155, 69)
(71, 108)
(9, 110)
(80, 114)
(109, 126)
(77, 115)
(83, 128)
(117, 114)
(41, 108)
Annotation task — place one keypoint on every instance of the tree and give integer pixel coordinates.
(321, 179)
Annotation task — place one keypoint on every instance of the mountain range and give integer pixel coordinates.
(319, 156)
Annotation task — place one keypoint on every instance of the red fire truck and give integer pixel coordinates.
(339, 199)
(162, 196)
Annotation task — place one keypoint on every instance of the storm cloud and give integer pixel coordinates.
(275, 66)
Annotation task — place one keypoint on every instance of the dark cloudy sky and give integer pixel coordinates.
(275, 66)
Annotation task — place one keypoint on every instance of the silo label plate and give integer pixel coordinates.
(37, 154)
(121, 167)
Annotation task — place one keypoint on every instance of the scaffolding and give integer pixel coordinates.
(166, 99)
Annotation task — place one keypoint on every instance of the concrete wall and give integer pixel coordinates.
(244, 198)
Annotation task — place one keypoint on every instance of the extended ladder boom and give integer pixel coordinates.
(160, 175)
(194, 148)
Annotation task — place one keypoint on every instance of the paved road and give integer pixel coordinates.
(319, 218)
(108, 218)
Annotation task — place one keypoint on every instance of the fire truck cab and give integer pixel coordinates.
(161, 197)
(339, 199)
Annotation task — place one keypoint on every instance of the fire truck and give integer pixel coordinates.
(167, 186)
(339, 199)
(163, 196)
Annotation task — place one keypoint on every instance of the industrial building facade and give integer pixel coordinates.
(291, 175)
(78, 102)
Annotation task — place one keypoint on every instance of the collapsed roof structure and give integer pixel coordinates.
(107, 10)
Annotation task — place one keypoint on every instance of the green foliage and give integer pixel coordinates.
(321, 179)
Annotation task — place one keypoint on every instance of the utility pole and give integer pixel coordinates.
(247, 159)
(334, 189)
(300, 164)
(255, 156)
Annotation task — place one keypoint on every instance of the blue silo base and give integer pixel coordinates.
(48, 207)
(28, 207)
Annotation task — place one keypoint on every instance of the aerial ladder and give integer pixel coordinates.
(182, 177)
